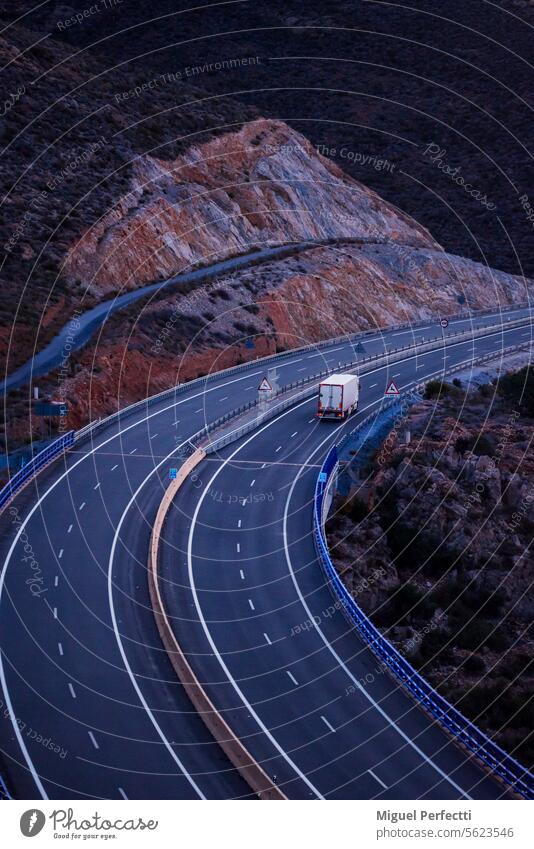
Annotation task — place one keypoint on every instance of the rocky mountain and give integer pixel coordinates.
(265, 184)
(137, 178)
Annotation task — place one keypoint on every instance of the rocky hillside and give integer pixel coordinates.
(68, 153)
(397, 94)
(263, 185)
(442, 530)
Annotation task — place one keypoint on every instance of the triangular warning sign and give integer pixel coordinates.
(265, 386)
(392, 389)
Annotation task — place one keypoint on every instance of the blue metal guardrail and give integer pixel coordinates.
(464, 731)
(4, 792)
(33, 466)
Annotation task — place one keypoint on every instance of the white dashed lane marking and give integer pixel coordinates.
(123, 794)
(251, 603)
(278, 449)
(93, 739)
(295, 682)
(238, 547)
(293, 434)
(242, 574)
(376, 778)
(72, 691)
(253, 482)
(152, 437)
(54, 612)
(133, 450)
(239, 523)
(60, 555)
(331, 727)
(114, 467)
(56, 580)
(267, 640)
(69, 529)
(60, 649)
(82, 505)
(96, 486)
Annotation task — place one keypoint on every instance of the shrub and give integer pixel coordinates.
(475, 664)
(437, 389)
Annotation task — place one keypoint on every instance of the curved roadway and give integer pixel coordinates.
(90, 704)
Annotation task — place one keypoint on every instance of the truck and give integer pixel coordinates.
(338, 396)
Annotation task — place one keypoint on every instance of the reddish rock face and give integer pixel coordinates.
(263, 185)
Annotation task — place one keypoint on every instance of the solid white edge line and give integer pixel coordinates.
(331, 649)
(341, 663)
(117, 435)
(205, 628)
(136, 687)
(35, 507)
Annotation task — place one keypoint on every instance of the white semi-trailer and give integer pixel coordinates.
(338, 396)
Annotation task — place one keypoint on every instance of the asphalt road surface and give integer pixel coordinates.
(90, 704)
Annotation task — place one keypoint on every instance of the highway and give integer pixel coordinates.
(90, 704)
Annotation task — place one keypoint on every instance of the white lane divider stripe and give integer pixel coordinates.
(331, 727)
(60, 649)
(376, 778)
(93, 739)
(242, 574)
(96, 486)
(152, 437)
(60, 555)
(267, 640)
(114, 467)
(253, 482)
(123, 794)
(72, 691)
(295, 682)
(133, 450)
(239, 523)
(3, 572)
(69, 529)
(251, 604)
(238, 545)
(56, 580)
(82, 505)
